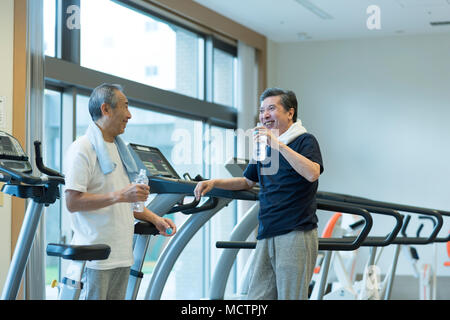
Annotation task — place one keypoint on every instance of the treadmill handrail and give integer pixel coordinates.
(5, 177)
(162, 185)
(181, 207)
(360, 200)
(416, 240)
(330, 243)
(50, 177)
(211, 203)
(40, 164)
(339, 244)
(371, 241)
(390, 238)
(16, 176)
(367, 202)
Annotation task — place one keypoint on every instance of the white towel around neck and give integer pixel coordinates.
(294, 131)
(95, 136)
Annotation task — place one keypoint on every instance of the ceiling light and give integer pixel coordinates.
(422, 3)
(314, 9)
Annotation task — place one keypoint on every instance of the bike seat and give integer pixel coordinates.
(145, 228)
(79, 252)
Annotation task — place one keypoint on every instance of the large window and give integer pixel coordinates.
(140, 47)
(120, 42)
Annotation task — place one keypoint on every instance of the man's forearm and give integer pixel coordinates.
(146, 215)
(303, 166)
(83, 201)
(232, 184)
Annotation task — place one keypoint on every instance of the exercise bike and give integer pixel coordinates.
(43, 190)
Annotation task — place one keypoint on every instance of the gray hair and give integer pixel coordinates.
(288, 99)
(104, 93)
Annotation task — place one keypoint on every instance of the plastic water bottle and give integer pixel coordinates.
(259, 147)
(140, 179)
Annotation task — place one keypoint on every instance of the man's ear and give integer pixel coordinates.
(105, 109)
(291, 112)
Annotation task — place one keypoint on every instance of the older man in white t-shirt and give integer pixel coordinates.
(100, 199)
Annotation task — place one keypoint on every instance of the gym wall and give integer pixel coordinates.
(380, 111)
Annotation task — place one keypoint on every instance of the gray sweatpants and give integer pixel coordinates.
(105, 284)
(283, 266)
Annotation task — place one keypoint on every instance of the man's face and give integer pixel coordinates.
(119, 115)
(274, 116)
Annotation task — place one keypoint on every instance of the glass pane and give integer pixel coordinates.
(140, 47)
(221, 142)
(49, 27)
(51, 153)
(82, 116)
(224, 77)
(180, 141)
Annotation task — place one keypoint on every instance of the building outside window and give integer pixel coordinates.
(138, 44)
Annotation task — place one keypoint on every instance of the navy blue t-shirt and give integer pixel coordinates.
(287, 200)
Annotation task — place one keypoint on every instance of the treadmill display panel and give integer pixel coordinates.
(12, 155)
(154, 161)
(10, 147)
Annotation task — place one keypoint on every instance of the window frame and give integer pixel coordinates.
(65, 70)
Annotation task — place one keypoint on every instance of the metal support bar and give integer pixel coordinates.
(22, 250)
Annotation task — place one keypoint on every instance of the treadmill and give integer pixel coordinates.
(170, 189)
(16, 173)
(236, 167)
(165, 182)
(249, 222)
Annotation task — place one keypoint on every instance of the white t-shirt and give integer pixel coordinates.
(112, 225)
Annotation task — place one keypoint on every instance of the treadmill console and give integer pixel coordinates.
(155, 162)
(165, 180)
(12, 155)
(236, 166)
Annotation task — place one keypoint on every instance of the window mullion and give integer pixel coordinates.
(70, 38)
(209, 71)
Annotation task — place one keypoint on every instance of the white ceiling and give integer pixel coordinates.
(288, 20)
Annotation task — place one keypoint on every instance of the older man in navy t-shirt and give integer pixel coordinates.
(287, 245)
